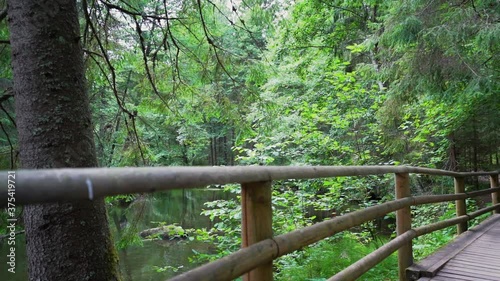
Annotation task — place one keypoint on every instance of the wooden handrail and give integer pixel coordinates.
(368, 262)
(358, 268)
(259, 247)
(270, 249)
(51, 185)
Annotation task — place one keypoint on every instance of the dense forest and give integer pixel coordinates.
(279, 83)
(265, 82)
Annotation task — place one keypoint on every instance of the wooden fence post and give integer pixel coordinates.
(256, 225)
(495, 196)
(403, 224)
(460, 206)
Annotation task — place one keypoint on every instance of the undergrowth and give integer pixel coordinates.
(330, 256)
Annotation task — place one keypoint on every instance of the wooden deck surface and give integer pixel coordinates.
(473, 256)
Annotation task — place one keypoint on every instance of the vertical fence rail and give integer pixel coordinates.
(257, 223)
(461, 208)
(495, 196)
(403, 222)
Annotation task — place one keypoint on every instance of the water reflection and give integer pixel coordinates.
(138, 263)
(178, 206)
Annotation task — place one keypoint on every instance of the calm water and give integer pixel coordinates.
(137, 262)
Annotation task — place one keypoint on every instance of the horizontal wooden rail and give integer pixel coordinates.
(471, 194)
(483, 211)
(440, 225)
(427, 199)
(450, 222)
(231, 267)
(270, 249)
(43, 186)
(360, 267)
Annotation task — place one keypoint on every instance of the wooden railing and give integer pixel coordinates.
(260, 247)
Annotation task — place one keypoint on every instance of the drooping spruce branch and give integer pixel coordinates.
(121, 104)
(136, 13)
(10, 145)
(210, 41)
(146, 66)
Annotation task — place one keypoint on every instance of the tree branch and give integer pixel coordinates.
(106, 58)
(211, 42)
(11, 146)
(148, 71)
(3, 13)
(131, 13)
(7, 235)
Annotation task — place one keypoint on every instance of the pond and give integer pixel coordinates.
(182, 207)
(138, 263)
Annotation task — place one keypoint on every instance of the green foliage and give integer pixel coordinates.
(441, 76)
(308, 82)
(130, 237)
(120, 199)
(226, 231)
(167, 268)
(326, 258)
(170, 231)
(296, 204)
(427, 214)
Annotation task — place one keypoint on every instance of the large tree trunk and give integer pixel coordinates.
(65, 241)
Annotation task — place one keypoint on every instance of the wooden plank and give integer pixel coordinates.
(470, 271)
(476, 275)
(482, 253)
(477, 256)
(474, 267)
(489, 237)
(429, 266)
(470, 263)
(464, 260)
(452, 278)
(460, 277)
(481, 246)
(486, 242)
(481, 250)
(472, 258)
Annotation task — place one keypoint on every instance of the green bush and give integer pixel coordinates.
(330, 256)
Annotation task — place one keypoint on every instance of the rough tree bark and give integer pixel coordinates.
(65, 241)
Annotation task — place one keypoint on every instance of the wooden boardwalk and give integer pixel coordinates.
(473, 256)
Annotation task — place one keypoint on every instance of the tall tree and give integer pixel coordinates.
(65, 241)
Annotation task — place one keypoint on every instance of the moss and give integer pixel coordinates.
(61, 40)
(113, 263)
